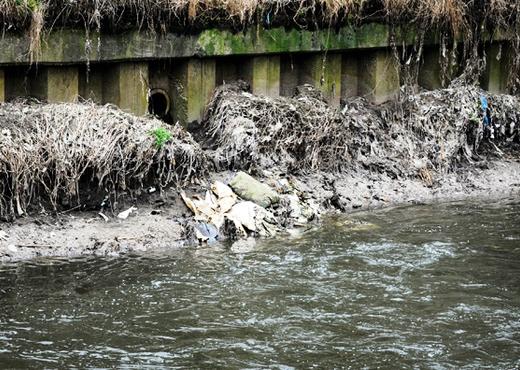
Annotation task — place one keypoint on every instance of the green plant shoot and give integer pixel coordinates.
(161, 135)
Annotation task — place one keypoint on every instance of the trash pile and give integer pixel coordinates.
(430, 131)
(247, 207)
(54, 156)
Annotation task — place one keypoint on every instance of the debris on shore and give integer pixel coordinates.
(254, 210)
(259, 167)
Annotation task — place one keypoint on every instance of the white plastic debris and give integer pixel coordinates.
(124, 215)
(102, 215)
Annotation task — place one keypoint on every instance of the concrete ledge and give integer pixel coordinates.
(72, 46)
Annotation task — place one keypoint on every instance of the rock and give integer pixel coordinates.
(253, 190)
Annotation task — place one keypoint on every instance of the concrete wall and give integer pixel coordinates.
(190, 82)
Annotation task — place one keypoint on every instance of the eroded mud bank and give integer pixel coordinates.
(164, 222)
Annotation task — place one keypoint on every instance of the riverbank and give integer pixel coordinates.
(163, 221)
(73, 186)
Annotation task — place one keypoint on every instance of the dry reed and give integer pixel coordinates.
(430, 132)
(58, 155)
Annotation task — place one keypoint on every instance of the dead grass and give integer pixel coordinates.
(430, 133)
(49, 153)
(162, 14)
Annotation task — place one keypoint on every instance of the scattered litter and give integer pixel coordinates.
(3, 235)
(103, 216)
(124, 215)
(206, 232)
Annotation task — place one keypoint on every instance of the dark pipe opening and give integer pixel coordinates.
(159, 104)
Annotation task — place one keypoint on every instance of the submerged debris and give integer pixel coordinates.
(56, 156)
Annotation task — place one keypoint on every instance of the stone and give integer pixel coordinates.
(253, 190)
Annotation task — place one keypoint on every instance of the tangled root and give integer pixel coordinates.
(431, 131)
(57, 153)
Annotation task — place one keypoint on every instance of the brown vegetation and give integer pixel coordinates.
(458, 15)
(430, 133)
(55, 156)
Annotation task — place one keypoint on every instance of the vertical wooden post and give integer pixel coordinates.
(263, 74)
(193, 82)
(378, 76)
(323, 71)
(56, 84)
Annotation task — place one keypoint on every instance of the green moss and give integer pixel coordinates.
(32, 5)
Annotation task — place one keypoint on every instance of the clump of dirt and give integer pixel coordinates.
(54, 156)
(430, 131)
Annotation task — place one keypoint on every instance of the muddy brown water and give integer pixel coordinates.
(412, 287)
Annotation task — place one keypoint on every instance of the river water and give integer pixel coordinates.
(412, 287)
